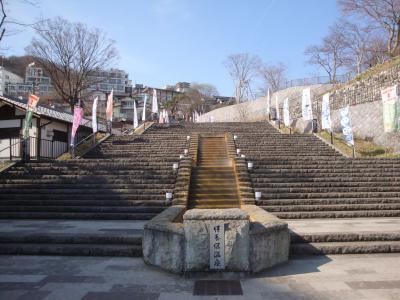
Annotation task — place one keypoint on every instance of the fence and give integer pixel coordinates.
(317, 80)
(47, 149)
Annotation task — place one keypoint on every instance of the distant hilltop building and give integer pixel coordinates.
(15, 85)
(114, 79)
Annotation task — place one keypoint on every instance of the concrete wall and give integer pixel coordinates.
(363, 96)
(257, 110)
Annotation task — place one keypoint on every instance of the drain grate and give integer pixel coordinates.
(217, 287)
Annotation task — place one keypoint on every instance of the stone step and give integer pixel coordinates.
(340, 207)
(82, 209)
(319, 184)
(75, 191)
(311, 195)
(278, 190)
(328, 237)
(78, 186)
(55, 197)
(70, 249)
(360, 247)
(337, 214)
(69, 238)
(328, 201)
(89, 202)
(300, 179)
(43, 215)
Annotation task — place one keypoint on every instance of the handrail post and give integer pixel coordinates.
(10, 150)
(52, 149)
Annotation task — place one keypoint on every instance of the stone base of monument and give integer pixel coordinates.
(248, 239)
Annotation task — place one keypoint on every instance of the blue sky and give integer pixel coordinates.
(165, 41)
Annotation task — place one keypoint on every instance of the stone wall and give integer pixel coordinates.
(365, 102)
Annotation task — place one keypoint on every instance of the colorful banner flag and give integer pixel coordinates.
(391, 109)
(32, 101)
(154, 104)
(326, 113)
(306, 105)
(286, 113)
(345, 121)
(268, 102)
(78, 115)
(144, 108)
(31, 105)
(109, 108)
(94, 114)
(135, 116)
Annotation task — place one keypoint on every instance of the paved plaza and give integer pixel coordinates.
(319, 277)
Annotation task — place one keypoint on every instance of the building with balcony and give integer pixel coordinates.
(113, 79)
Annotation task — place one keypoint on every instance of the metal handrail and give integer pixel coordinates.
(86, 138)
(19, 141)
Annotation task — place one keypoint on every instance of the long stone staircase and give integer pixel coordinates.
(301, 179)
(124, 178)
(213, 179)
(304, 180)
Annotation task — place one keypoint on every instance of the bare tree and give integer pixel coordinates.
(71, 54)
(330, 55)
(385, 13)
(3, 19)
(243, 68)
(205, 89)
(357, 40)
(243, 113)
(377, 52)
(9, 25)
(273, 76)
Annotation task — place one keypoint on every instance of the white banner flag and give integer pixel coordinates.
(154, 104)
(135, 118)
(326, 113)
(94, 114)
(166, 117)
(306, 105)
(345, 121)
(286, 113)
(278, 115)
(144, 108)
(268, 102)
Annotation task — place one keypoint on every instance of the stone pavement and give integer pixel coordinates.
(320, 277)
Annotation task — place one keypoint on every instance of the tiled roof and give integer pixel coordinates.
(49, 112)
